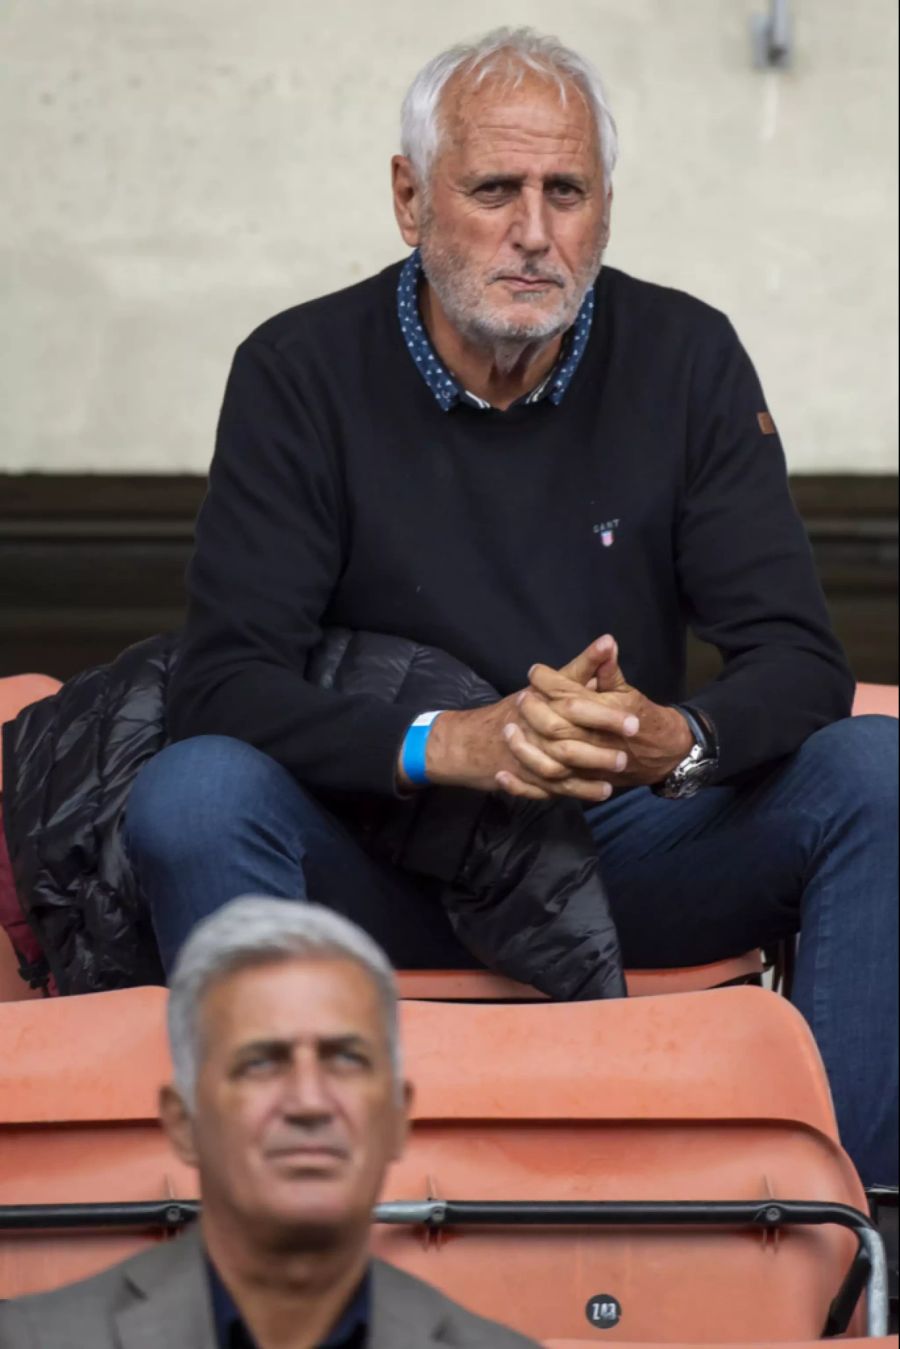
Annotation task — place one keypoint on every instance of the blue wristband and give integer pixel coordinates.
(412, 755)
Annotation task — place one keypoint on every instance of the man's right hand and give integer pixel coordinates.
(469, 749)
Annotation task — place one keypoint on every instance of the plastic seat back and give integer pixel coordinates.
(718, 1095)
(78, 1124)
(711, 1096)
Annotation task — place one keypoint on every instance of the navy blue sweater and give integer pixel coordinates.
(653, 497)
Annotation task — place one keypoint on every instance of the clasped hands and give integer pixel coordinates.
(580, 732)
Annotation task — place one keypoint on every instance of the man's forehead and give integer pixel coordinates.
(508, 100)
(291, 1001)
(531, 122)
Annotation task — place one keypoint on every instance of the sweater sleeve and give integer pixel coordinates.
(747, 575)
(268, 554)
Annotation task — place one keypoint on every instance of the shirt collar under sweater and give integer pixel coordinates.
(351, 1331)
(445, 387)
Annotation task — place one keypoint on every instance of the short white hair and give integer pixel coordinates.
(510, 52)
(259, 931)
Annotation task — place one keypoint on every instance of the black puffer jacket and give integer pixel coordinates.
(521, 880)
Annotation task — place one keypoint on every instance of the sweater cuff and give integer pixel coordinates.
(735, 721)
(704, 729)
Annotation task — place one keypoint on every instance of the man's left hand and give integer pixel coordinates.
(562, 713)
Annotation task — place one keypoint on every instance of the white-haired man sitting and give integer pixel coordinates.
(289, 1099)
(507, 450)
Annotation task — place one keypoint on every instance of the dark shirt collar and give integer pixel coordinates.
(445, 387)
(351, 1331)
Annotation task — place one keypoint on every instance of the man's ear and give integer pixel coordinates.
(607, 216)
(177, 1124)
(403, 1113)
(407, 200)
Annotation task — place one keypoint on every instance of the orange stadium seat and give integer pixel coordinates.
(78, 1083)
(709, 1097)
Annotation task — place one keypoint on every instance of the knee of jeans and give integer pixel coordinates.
(189, 795)
(859, 759)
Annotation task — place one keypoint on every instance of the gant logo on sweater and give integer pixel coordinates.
(607, 532)
(766, 425)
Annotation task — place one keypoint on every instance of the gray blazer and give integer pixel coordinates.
(160, 1298)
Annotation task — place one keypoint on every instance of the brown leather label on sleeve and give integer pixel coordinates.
(766, 425)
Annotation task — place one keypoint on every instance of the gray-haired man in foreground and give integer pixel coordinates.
(289, 1100)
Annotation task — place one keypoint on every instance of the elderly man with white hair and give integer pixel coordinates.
(289, 1099)
(515, 454)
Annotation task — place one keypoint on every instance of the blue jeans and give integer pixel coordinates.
(810, 847)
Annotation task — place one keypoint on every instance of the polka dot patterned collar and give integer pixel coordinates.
(446, 389)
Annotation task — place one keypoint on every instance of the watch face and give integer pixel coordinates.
(691, 774)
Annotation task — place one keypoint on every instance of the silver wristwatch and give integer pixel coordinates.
(696, 769)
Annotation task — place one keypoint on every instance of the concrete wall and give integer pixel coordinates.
(179, 169)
